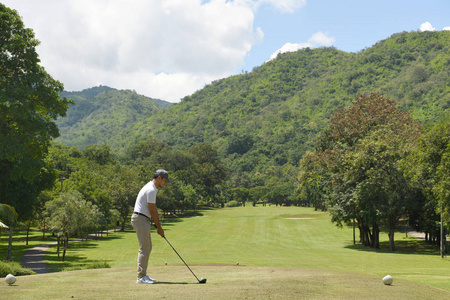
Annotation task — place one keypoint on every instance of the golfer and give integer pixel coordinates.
(144, 212)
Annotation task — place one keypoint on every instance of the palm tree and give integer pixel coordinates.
(8, 215)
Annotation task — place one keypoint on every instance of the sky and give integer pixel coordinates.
(168, 49)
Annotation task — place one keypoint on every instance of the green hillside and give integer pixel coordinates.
(271, 116)
(103, 115)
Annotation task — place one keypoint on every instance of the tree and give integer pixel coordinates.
(240, 195)
(8, 215)
(209, 172)
(281, 182)
(123, 189)
(70, 214)
(29, 106)
(359, 155)
(428, 167)
(312, 180)
(381, 190)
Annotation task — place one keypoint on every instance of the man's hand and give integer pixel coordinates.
(160, 231)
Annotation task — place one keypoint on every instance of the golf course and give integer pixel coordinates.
(262, 252)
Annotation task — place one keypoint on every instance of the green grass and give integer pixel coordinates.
(223, 282)
(317, 259)
(271, 236)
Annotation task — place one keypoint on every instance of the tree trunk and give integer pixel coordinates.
(366, 235)
(28, 231)
(369, 236)
(58, 242)
(123, 225)
(392, 224)
(354, 237)
(66, 242)
(391, 239)
(8, 257)
(376, 235)
(442, 238)
(361, 231)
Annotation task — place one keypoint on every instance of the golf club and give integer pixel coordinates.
(203, 280)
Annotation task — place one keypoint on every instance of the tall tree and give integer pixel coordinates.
(29, 106)
(428, 166)
(209, 172)
(360, 154)
(70, 214)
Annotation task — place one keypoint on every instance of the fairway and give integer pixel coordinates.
(284, 252)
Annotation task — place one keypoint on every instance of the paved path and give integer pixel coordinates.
(34, 257)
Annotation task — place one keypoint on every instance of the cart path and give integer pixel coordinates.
(34, 257)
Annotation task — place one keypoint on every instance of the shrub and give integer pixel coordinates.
(233, 203)
(13, 268)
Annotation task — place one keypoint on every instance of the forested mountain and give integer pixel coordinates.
(271, 116)
(103, 115)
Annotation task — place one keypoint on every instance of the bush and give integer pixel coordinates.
(233, 203)
(13, 268)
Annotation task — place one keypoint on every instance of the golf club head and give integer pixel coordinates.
(203, 280)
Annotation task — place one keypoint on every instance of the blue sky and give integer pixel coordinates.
(168, 49)
(354, 25)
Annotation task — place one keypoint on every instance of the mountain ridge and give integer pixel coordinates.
(272, 115)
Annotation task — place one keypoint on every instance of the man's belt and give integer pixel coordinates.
(138, 213)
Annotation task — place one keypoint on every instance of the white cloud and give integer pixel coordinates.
(318, 39)
(285, 6)
(427, 27)
(163, 49)
(321, 39)
(288, 47)
(446, 28)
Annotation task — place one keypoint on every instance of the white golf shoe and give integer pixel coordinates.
(145, 280)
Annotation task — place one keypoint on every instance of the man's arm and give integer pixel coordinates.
(155, 218)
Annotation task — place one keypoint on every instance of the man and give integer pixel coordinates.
(144, 212)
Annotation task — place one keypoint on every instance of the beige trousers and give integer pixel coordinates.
(142, 225)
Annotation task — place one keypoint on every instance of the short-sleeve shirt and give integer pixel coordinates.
(146, 195)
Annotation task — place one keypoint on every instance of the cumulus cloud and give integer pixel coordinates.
(318, 39)
(427, 27)
(284, 6)
(446, 28)
(321, 39)
(162, 49)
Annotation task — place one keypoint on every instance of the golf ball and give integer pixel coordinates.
(388, 279)
(10, 279)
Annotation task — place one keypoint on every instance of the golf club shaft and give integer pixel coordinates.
(181, 258)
